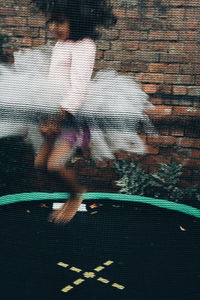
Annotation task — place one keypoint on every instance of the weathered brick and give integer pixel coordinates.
(187, 69)
(110, 34)
(133, 35)
(188, 35)
(178, 101)
(152, 150)
(120, 13)
(133, 66)
(139, 66)
(164, 131)
(134, 24)
(36, 22)
(153, 46)
(150, 77)
(175, 57)
(163, 35)
(22, 31)
(7, 11)
(156, 100)
(157, 67)
(144, 138)
(116, 55)
(27, 42)
(173, 68)
(188, 142)
(104, 45)
(177, 132)
(197, 80)
(185, 110)
(196, 153)
(157, 159)
(23, 11)
(180, 90)
(16, 21)
(132, 13)
(191, 163)
(197, 69)
(191, 47)
(42, 32)
(178, 79)
(122, 23)
(195, 58)
(194, 90)
(165, 89)
(107, 65)
(192, 12)
(162, 110)
(150, 88)
(38, 42)
(176, 13)
(145, 56)
(165, 140)
(50, 35)
(99, 54)
(192, 3)
(151, 12)
(181, 24)
(175, 47)
(173, 3)
(131, 45)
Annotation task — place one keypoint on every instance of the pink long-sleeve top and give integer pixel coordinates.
(72, 64)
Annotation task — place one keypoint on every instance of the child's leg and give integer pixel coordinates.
(43, 154)
(56, 163)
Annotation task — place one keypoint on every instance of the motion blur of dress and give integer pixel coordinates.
(46, 78)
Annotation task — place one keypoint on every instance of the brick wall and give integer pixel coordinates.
(158, 42)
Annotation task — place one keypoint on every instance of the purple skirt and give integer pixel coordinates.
(77, 138)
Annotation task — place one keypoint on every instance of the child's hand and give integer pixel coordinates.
(53, 124)
(49, 130)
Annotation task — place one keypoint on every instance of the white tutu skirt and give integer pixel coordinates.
(113, 108)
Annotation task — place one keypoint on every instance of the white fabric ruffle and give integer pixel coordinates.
(113, 106)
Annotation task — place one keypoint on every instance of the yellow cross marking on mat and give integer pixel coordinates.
(67, 288)
(78, 281)
(90, 275)
(62, 264)
(98, 269)
(75, 269)
(103, 280)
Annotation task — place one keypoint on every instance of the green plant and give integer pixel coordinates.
(133, 178)
(164, 184)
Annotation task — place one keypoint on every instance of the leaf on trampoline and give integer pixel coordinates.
(94, 212)
(182, 228)
(94, 205)
(44, 205)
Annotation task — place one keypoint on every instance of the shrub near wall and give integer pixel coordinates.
(158, 42)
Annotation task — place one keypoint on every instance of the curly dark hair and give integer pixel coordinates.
(83, 15)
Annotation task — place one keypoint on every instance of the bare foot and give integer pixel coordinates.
(68, 211)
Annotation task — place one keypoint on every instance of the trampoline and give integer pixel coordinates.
(124, 247)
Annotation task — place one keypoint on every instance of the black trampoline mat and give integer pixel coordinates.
(145, 251)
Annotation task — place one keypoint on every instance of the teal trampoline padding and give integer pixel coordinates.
(39, 196)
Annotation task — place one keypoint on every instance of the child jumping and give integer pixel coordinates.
(103, 114)
(72, 61)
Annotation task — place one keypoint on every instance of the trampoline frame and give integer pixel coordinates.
(41, 196)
